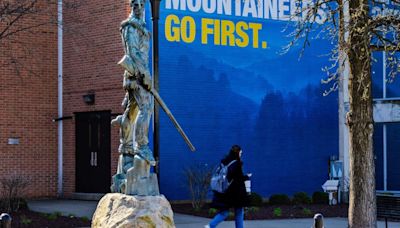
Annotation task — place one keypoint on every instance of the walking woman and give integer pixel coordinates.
(235, 196)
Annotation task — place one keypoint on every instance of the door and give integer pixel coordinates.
(93, 152)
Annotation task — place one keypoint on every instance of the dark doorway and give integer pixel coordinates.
(93, 152)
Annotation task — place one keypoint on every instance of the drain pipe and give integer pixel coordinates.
(60, 99)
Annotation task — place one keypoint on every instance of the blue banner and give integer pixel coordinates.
(226, 80)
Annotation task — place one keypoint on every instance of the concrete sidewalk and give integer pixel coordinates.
(188, 221)
(81, 208)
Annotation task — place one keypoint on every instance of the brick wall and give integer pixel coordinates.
(92, 48)
(28, 103)
(28, 89)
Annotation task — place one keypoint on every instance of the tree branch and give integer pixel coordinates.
(385, 20)
(15, 14)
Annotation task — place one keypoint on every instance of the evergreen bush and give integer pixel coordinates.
(255, 200)
(277, 199)
(320, 198)
(301, 198)
(277, 212)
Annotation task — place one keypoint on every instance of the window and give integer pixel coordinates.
(385, 72)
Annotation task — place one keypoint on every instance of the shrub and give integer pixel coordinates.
(198, 181)
(277, 199)
(52, 216)
(12, 191)
(25, 220)
(301, 198)
(22, 203)
(277, 212)
(307, 211)
(320, 198)
(231, 215)
(85, 219)
(251, 211)
(255, 200)
(212, 211)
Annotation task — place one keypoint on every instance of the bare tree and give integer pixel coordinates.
(198, 178)
(14, 12)
(20, 19)
(358, 27)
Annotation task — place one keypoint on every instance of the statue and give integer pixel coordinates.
(135, 155)
(133, 175)
(140, 204)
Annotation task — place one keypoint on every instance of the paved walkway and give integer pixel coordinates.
(83, 208)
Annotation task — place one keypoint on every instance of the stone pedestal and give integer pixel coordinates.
(123, 211)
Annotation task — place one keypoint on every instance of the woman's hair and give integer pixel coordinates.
(234, 152)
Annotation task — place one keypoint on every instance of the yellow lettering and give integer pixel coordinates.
(223, 32)
(244, 41)
(217, 35)
(227, 30)
(205, 29)
(256, 27)
(171, 28)
(188, 26)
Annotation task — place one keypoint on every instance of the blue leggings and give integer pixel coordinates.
(221, 216)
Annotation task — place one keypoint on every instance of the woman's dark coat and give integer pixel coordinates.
(235, 195)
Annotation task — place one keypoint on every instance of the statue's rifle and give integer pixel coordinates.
(126, 64)
(171, 117)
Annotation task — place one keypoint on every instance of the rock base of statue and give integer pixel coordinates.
(120, 210)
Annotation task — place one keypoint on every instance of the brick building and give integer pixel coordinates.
(29, 99)
(28, 103)
(91, 50)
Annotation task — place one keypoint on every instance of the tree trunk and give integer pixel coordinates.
(362, 207)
